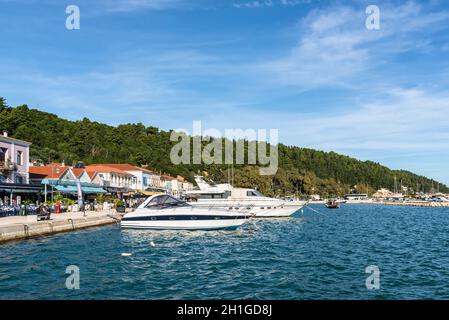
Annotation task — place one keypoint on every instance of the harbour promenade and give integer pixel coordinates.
(22, 227)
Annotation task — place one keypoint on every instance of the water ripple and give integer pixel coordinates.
(315, 256)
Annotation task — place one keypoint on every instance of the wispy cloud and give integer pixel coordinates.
(412, 119)
(404, 119)
(268, 3)
(158, 88)
(334, 46)
(131, 5)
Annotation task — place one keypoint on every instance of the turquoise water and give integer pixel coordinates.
(313, 256)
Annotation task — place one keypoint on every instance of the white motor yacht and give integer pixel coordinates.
(236, 199)
(165, 212)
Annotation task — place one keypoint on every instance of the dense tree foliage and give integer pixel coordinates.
(301, 171)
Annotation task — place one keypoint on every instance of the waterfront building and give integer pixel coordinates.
(118, 179)
(82, 175)
(383, 194)
(14, 163)
(143, 179)
(187, 186)
(356, 197)
(115, 181)
(53, 171)
(156, 181)
(59, 178)
(170, 184)
(14, 155)
(176, 186)
(314, 197)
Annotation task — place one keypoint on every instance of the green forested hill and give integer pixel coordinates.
(301, 170)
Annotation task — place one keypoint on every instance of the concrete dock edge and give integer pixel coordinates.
(44, 228)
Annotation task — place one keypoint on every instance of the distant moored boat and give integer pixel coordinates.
(332, 204)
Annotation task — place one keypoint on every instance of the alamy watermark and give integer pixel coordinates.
(72, 282)
(190, 150)
(373, 280)
(72, 22)
(372, 21)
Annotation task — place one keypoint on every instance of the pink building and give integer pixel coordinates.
(14, 160)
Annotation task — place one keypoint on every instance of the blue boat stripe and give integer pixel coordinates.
(182, 217)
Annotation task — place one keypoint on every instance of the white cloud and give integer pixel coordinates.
(404, 122)
(335, 48)
(410, 119)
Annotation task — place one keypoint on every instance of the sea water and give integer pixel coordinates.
(314, 255)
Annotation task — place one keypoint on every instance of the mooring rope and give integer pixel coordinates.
(314, 210)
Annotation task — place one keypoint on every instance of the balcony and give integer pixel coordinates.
(7, 166)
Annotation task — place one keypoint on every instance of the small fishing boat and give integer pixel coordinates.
(165, 212)
(332, 204)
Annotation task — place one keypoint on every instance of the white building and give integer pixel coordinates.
(113, 179)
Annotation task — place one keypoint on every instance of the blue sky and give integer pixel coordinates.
(309, 68)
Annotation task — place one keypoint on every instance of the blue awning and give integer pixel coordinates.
(92, 190)
(73, 189)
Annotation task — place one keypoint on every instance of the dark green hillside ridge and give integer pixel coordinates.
(301, 170)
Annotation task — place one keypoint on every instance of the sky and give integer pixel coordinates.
(309, 68)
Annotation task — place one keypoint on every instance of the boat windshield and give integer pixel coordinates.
(165, 201)
(254, 193)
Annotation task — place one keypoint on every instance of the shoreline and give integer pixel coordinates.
(27, 227)
(393, 203)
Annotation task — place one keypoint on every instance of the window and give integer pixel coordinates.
(19, 158)
(3, 152)
(19, 179)
(253, 193)
(212, 196)
(164, 201)
(145, 181)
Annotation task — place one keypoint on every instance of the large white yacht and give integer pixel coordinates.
(165, 212)
(249, 200)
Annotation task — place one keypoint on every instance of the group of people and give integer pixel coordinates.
(12, 208)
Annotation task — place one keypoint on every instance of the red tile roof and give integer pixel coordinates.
(91, 173)
(105, 168)
(167, 177)
(52, 171)
(78, 171)
(122, 166)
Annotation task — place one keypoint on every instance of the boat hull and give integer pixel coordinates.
(184, 222)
